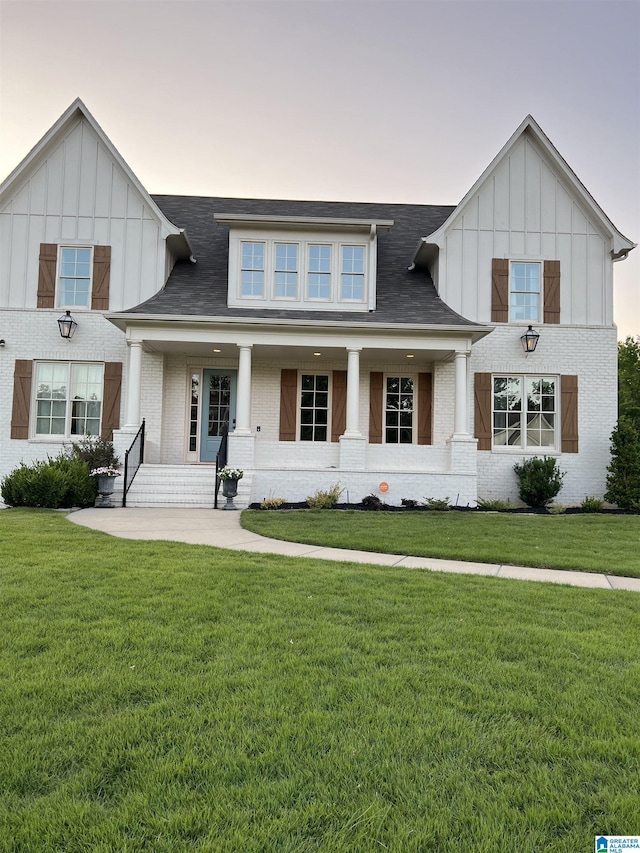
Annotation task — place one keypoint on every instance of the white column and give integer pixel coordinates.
(134, 379)
(243, 405)
(461, 419)
(353, 392)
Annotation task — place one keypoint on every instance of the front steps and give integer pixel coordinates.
(176, 486)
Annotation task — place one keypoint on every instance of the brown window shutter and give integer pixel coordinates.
(111, 402)
(47, 275)
(569, 413)
(425, 403)
(22, 374)
(499, 290)
(551, 276)
(338, 404)
(482, 390)
(288, 396)
(101, 275)
(375, 408)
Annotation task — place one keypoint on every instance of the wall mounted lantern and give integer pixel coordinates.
(530, 340)
(67, 326)
(1, 342)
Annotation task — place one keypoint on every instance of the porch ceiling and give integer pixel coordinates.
(305, 354)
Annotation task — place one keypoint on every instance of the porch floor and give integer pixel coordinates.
(222, 529)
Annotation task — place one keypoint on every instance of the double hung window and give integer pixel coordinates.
(525, 411)
(74, 280)
(286, 271)
(319, 272)
(352, 273)
(68, 400)
(252, 270)
(525, 292)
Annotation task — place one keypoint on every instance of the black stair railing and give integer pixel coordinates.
(221, 460)
(133, 459)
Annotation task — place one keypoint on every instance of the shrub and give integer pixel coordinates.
(623, 480)
(272, 502)
(409, 503)
(539, 480)
(95, 452)
(591, 504)
(60, 482)
(325, 499)
(372, 502)
(493, 505)
(438, 504)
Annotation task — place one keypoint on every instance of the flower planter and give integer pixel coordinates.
(229, 490)
(106, 485)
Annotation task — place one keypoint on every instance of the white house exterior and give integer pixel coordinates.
(374, 345)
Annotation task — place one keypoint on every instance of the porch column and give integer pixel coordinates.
(243, 405)
(134, 378)
(461, 417)
(353, 392)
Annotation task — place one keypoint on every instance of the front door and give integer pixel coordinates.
(218, 410)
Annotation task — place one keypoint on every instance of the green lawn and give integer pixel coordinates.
(174, 698)
(592, 543)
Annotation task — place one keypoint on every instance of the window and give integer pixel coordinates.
(314, 407)
(252, 270)
(286, 271)
(352, 281)
(398, 410)
(524, 295)
(68, 398)
(525, 411)
(74, 281)
(319, 272)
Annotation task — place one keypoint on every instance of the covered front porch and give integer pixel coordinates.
(306, 406)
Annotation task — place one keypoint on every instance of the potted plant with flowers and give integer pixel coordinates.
(106, 483)
(229, 478)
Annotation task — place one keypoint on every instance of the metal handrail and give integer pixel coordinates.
(221, 460)
(137, 445)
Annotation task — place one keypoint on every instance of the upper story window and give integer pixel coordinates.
(525, 292)
(68, 398)
(525, 410)
(74, 279)
(252, 270)
(319, 272)
(296, 262)
(352, 273)
(286, 271)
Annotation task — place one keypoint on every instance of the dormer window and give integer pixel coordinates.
(286, 262)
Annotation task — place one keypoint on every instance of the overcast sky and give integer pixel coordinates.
(347, 101)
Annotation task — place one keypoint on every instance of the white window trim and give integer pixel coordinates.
(59, 302)
(519, 450)
(540, 264)
(67, 436)
(414, 411)
(307, 272)
(273, 271)
(334, 240)
(329, 375)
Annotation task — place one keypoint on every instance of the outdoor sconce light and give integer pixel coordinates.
(530, 340)
(67, 326)
(1, 342)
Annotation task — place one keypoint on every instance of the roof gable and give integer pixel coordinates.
(530, 130)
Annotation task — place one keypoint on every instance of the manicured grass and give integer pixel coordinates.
(173, 698)
(592, 543)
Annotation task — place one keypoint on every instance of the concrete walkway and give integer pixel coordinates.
(222, 530)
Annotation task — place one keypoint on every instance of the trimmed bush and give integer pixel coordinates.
(623, 480)
(60, 482)
(539, 480)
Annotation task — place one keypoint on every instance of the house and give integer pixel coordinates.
(375, 345)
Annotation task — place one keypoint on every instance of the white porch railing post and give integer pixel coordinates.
(134, 380)
(243, 406)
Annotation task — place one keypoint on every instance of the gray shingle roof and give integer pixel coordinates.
(200, 289)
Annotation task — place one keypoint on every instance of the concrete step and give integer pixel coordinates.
(181, 486)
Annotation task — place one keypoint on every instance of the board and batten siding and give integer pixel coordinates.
(524, 211)
(78, 195)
